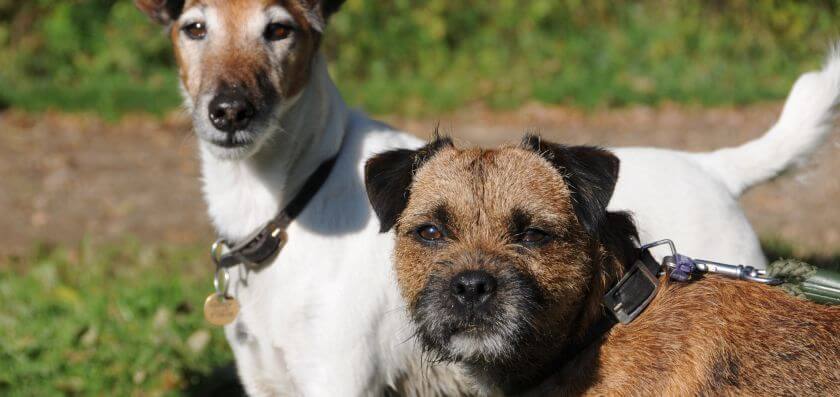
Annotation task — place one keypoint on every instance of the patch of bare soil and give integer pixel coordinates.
(68, 177)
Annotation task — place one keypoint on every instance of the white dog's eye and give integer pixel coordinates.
(277, 31)
(195, 30)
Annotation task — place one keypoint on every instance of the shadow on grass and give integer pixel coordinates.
(221, 382)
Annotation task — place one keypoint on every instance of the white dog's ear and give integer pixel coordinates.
(318, 12)
(591, 174)
(324, 7)
(163, 12)
(388, 178)
(329, 7)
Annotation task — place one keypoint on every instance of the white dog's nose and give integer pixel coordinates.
(230, 112)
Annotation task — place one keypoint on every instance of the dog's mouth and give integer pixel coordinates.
(236, 145)
(234, 141)
(484, 340)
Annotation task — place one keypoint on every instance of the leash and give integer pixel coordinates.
(629, 297)
(258, 249)
(634, 292)
(639, 286)
(806, 281)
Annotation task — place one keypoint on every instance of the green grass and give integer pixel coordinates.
(120, 320)
(776, 248)
(423, 57)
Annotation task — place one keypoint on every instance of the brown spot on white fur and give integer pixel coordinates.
(239, 57)
(236, 61)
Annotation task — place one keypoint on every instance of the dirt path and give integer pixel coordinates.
(68, 177)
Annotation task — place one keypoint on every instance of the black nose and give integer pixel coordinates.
(230, 112)
(473, 287)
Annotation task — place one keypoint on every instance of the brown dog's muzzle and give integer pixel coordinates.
(472, 288)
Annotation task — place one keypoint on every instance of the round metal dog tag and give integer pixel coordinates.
(220, 310)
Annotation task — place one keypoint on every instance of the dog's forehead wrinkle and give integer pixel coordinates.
(483, 186)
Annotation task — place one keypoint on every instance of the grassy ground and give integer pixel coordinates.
(421, 57)
(123, 320)
(120, 320)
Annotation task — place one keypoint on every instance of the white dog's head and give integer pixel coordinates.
(242, 63)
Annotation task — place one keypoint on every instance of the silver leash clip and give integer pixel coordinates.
(739, 272)
(683, 267)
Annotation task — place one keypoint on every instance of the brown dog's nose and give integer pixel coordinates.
(230, 112)
(473, 287)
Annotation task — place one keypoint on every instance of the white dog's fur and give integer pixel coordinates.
(326, 319)
(691, 198)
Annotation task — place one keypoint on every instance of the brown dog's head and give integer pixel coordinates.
(502, 255)
(242, 62)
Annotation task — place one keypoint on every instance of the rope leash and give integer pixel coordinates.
(806, 281)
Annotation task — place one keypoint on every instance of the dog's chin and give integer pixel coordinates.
(232, 152)
(239, 146)
(487, 338)
(474, 346)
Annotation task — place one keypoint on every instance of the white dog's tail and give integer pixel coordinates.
(805, 122)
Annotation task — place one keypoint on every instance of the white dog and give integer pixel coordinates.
(324, 317)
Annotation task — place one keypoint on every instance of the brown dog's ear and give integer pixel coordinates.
(163, 12)
(388, 177)
(591, 174)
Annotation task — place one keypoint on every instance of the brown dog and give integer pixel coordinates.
(504, 256)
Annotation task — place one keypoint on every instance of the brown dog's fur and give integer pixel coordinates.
(708, 337)
(714, 337)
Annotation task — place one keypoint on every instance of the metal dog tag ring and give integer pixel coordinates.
(221, 287)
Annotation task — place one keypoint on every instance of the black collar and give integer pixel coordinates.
(622, 304)
(263, 245)
(625, 301)
(633, 293)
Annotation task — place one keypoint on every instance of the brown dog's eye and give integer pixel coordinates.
(277, 31)
(429, 233)
(534, 236)
(195, 31)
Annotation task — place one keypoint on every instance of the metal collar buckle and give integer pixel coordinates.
(633, 293)
(253, 251)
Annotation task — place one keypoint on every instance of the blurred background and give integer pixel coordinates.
(103, 265)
